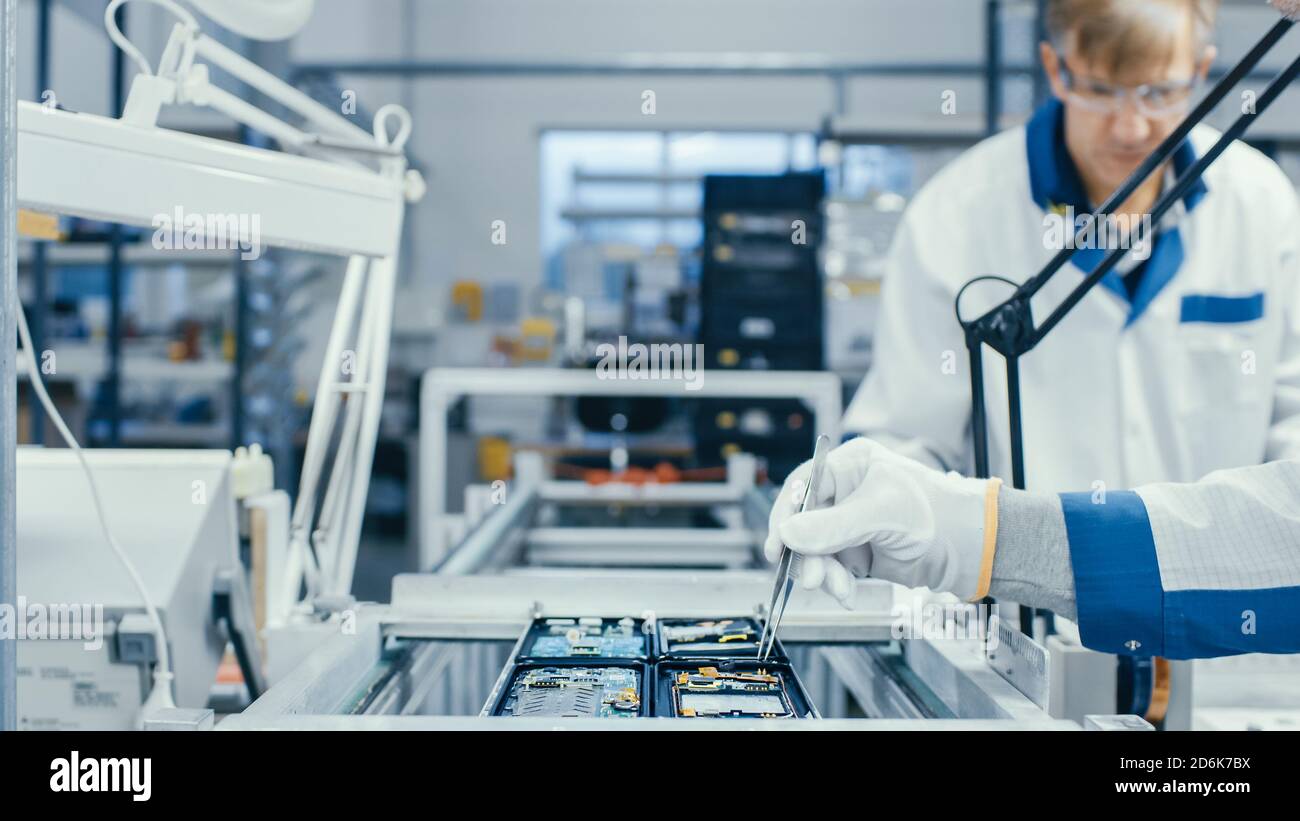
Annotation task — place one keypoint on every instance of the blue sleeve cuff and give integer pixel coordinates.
(1116, 573)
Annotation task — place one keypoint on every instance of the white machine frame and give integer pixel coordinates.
(185, 547)
(441, 388)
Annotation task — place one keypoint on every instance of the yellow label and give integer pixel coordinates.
(38, 225)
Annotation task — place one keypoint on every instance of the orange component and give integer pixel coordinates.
(228, 671)
(38, 225)
(662, 474)
(537, 338)
(1160, 691)
(467, 300)
(666, 473)
(493, 458)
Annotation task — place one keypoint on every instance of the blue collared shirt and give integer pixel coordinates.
(1056, 185)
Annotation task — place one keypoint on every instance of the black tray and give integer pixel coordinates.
(794, 700)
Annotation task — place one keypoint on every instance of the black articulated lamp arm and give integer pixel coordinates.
(1166, 149)
(1009, 327)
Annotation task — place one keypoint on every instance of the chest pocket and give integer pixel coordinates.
(1219, 338)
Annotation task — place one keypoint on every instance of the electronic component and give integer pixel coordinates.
(573, 691)
(761, 307)
(731, 689)
(713, 638)
(588, 637)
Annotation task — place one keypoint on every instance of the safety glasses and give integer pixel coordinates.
(1158, 100)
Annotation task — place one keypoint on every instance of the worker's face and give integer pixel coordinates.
(1115, 118)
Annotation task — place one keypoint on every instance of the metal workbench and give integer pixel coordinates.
(432, 658)
(465, 625)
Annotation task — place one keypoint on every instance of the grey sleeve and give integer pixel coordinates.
(1031, 565)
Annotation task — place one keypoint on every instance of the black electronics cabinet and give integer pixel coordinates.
(761, 308)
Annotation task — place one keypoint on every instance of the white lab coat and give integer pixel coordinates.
(1192, 570)
(1204, 375)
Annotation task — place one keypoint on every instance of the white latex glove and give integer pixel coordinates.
(880, 514)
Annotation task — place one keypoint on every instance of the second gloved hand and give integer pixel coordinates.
(881, 514)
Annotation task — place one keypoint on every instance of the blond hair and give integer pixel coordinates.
(1119, 35)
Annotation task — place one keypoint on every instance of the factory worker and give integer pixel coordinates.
(1183, 361)
(1182, 571)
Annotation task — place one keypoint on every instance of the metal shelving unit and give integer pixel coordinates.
(116, 364)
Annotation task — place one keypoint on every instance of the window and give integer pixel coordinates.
(643, 188)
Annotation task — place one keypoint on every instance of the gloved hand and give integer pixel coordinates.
(880, 514)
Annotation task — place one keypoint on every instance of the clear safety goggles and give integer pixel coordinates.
(1158, 100)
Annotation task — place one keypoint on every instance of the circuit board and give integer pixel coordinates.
(587, 638)
(574, 692)
(718, 637)
(707, 692)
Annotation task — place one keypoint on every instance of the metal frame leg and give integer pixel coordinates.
(8, 369)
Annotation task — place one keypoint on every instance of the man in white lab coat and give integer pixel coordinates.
(1183, 571)
(1183, 361)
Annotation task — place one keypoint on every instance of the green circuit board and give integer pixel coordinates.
(575, 692)
(589, 638)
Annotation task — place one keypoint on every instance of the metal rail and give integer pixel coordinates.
(8, 366)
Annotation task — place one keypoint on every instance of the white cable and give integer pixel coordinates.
(128, 48)
(160, 696)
